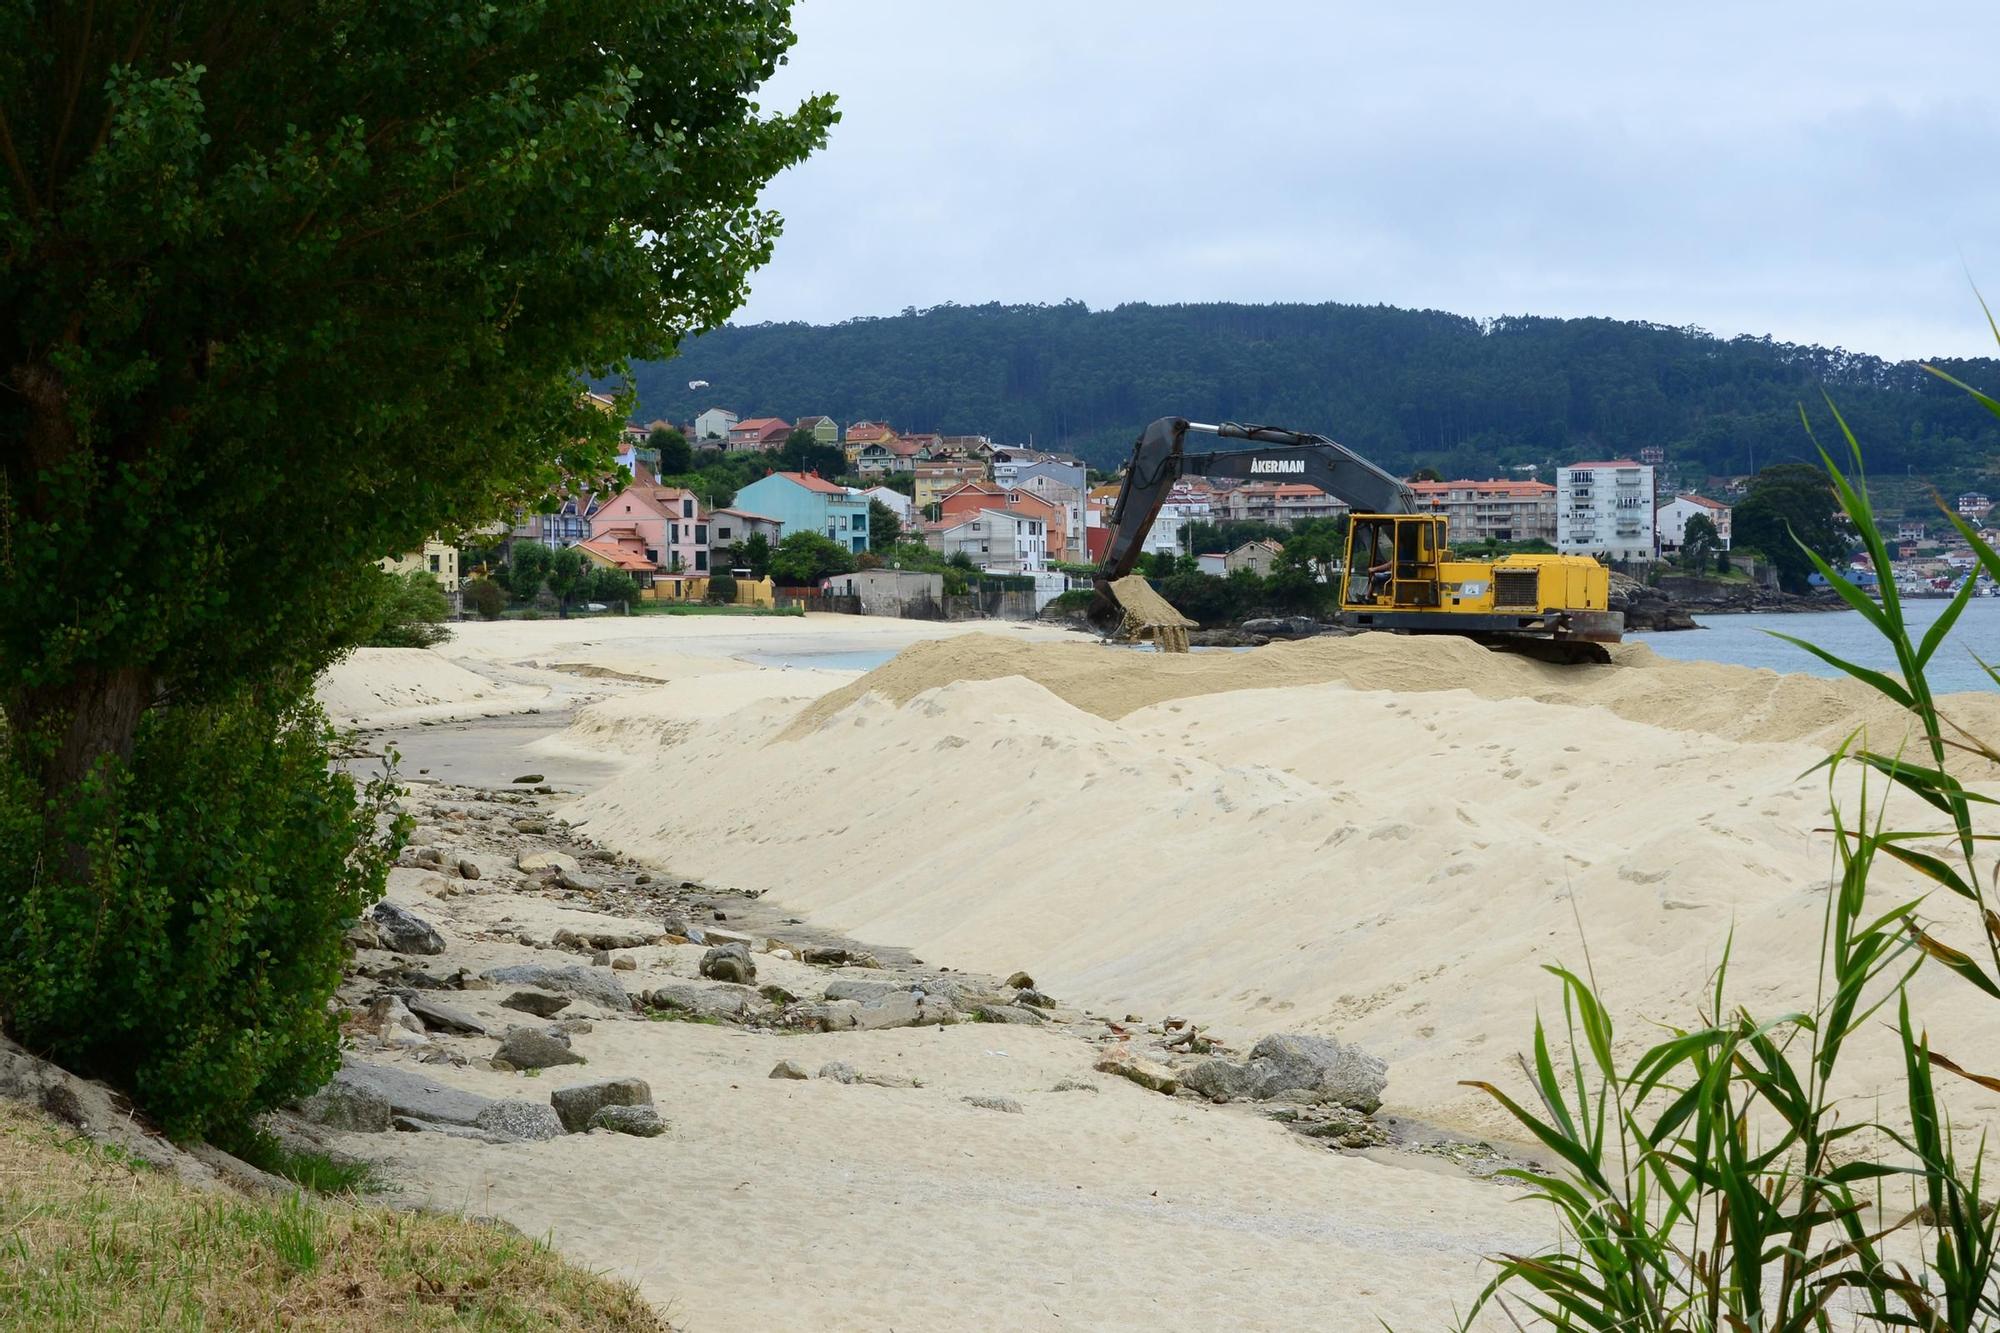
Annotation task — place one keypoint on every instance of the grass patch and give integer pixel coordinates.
(88, 1242)
(314, 1171)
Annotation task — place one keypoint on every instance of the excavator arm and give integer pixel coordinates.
(1161, 458)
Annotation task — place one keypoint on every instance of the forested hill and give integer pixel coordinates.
(1407, 387)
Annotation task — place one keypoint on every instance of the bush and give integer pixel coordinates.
(485, 598)
(401, 611)
(195, 966)
(721, 589)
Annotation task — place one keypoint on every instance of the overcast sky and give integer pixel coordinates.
(1821, 173)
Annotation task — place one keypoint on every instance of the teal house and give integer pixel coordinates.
(805, 503)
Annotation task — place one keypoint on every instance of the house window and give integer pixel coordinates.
(434, 564)
(687, 508)
(701, 533)
(860, 522)
(652, 555)
(701, 562)
(721, 533)
(673, 533)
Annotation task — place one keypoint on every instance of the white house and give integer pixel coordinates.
(714, 424)
(904, 508)
(1671, 520)
(1000, 541)
(1606, 509)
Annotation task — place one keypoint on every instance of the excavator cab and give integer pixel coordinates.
(1392, 561)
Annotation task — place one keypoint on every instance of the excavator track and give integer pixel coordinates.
(1556, 652)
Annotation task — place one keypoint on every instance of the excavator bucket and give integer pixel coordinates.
(1145, 616)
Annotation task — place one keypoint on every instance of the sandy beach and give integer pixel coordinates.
(1375, 839)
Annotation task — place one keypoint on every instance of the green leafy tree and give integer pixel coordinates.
(613, 587)
(676, 454)
(405, 610)
(754, 554)
(1699, 543)
(721, 590)
(1788, 501)
(802, 452)
(337, 272)
(528, 570)
(569, 577)
(486, 598)
(804, 558)
(884, 528)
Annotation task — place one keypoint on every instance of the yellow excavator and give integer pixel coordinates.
(1398, 574)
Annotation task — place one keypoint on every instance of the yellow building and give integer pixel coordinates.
(438, 559)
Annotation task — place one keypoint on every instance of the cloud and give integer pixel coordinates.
(1819, 174)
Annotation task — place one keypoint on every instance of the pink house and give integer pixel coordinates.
(667, 522)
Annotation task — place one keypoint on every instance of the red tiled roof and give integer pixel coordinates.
(620, 555)
(1702, 500)
(812, 482)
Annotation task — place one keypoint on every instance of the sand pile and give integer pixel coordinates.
(1276, 839)
(1735, 703)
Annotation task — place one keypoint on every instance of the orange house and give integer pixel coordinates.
(974, 496)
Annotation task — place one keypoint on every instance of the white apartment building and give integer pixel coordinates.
(714, 424)
(1000, 541)
(1606, 509)
(1671, 520)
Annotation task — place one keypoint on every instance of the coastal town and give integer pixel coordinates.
(1040, 519)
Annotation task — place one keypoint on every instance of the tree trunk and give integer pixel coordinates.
(69, 733)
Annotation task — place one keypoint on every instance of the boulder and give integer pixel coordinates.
(442, 1017)
(1006, 1013)
(388, 1016)
(789, 1069)
(729, 962)
(519, 1119)
(1021, 981)
(1004, 1104)
(1347, 1075)
(899, 1009)
(599, 987)
(525, 1048)
(403, 931)
(1223, 1080)
(468, 869)
(1281, 627)
(348, 1106)
(840, 1072)
(409, 1093)
(730, 1003)
(642, 1121)
(602, 939)
(412, 1124)
(557, 861)
(1297, 1068)
(539, 1003)
(1146, 1073)
(529, 779)
(577, 1103)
